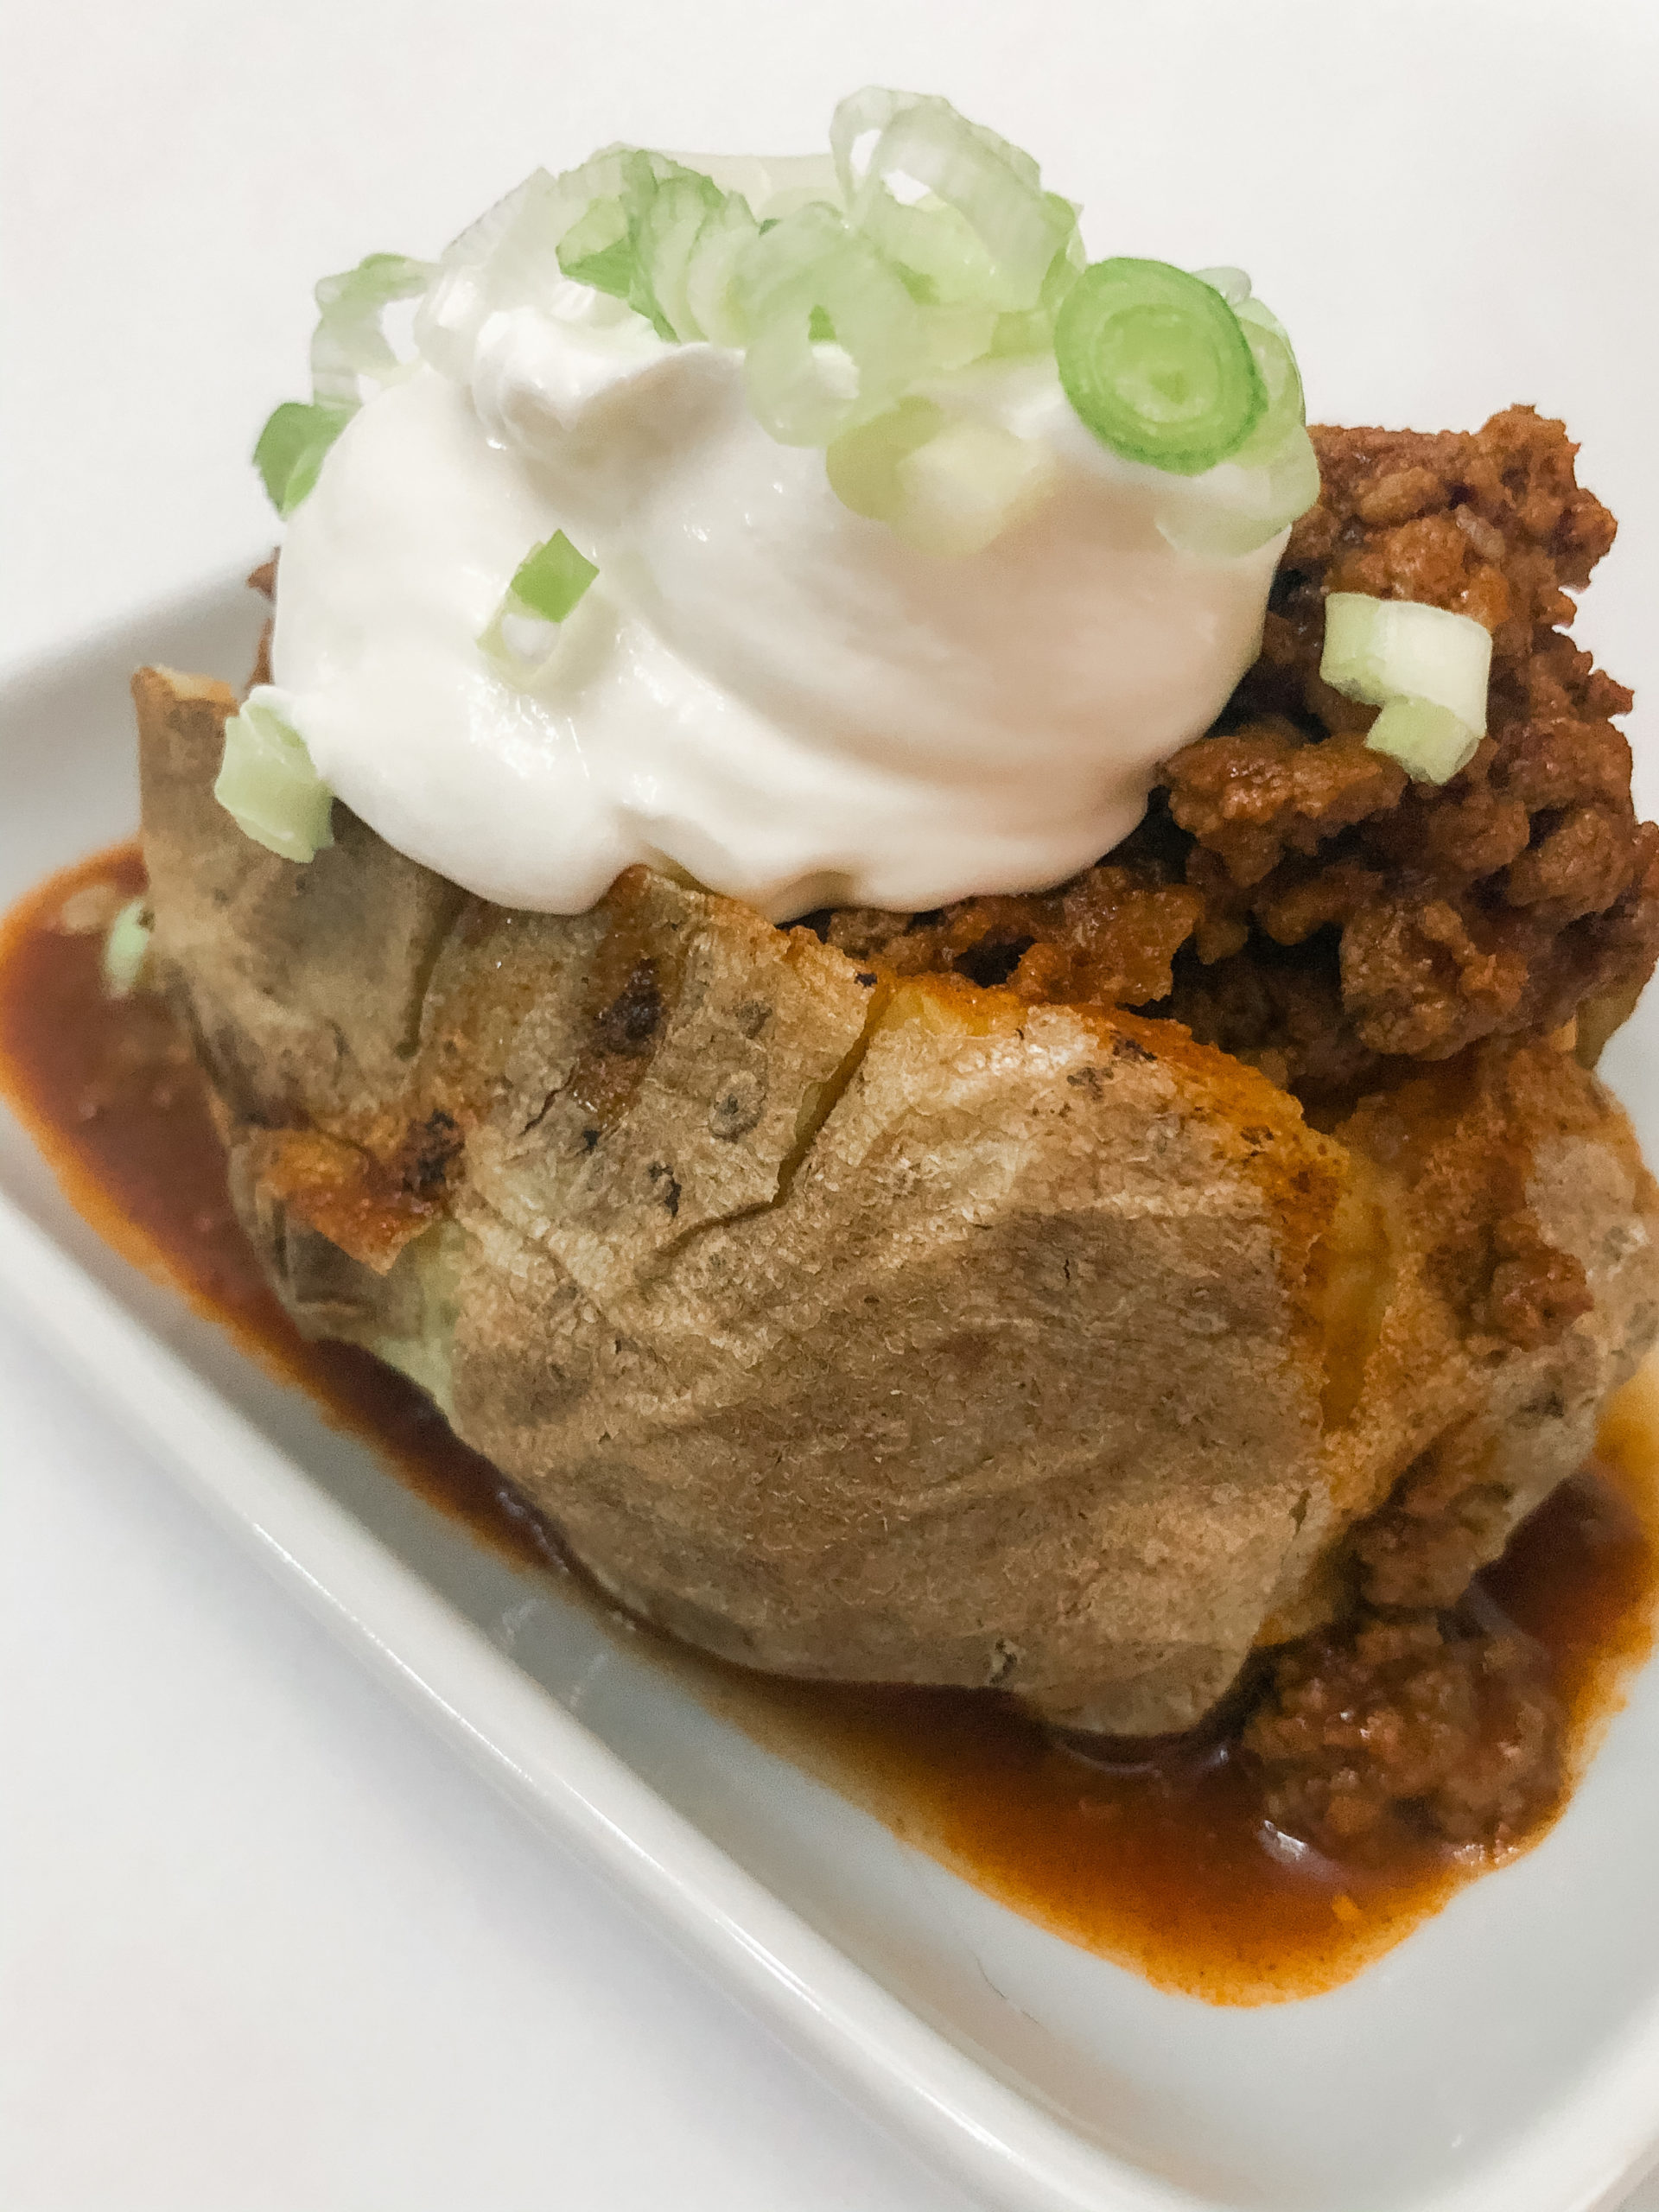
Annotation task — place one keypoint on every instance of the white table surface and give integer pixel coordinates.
(263, 1943)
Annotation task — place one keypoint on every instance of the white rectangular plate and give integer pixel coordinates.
(1505, 2058)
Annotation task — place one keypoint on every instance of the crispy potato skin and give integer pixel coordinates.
(883, 1327)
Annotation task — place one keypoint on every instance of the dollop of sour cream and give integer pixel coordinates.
(762, 690)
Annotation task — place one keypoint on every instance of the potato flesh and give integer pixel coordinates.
(861, 1328)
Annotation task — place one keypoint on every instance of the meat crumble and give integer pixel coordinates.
(1291, 897)
(1422, 1710)
(1408, 1720)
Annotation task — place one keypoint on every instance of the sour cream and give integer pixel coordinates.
(762, 690)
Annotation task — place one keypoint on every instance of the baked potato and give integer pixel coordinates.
(869, 1326)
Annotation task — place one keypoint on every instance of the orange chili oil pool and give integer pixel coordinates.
(1160, 1862)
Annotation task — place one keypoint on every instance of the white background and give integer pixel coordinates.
(262, 1942)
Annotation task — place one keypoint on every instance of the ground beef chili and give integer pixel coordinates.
(1413, 1718)
(1291, 897)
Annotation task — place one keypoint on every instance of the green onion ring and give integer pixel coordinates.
(1155, 362)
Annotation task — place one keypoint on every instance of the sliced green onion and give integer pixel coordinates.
(803, 390)
(550, 581)
(598, 248)
(598, 224)
(1223, 522)
(711, 293)
(637, 239)
(267, 781)
(1217, 520)
(930, 243)
(1376, 650)
(1016, 336)
(499, 261)
(523, 634)
(947, 199)
(952, 336)
(350, 342)
(1033, 332)
(947, 485)
(925, 243)
(524, 208)
(1233, 284)
(126, 948)
(291, 449)
(1286, 411)
(861, 120)
(1427, 668)
(864, 465)
(668, 241)
(680, 207)
(601, 246)
(1158, 366)
(962, 489)
(518, 644)
(1428, 741)
(769, 185)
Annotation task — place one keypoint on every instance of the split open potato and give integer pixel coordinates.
(887, 1328)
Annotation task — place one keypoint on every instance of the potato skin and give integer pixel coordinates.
(870, 1328)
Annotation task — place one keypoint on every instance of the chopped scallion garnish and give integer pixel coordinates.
(853, 284)
(1427, 740)
(947, 485)
(771, 186)
(711, 273)
(947, 199)
(669, 236)
(962, 489)
(350, 340)
(1158, 366)
(1381, 649)
(598, 249)
(267, 781)
(637, 235)
(126, 948)
(1223, 524)
(291, 449)
(550, 581)
(1427, 668)
(349, 343)
(809, 271)
(1285, 413)
(521, 637)
(1233, 284)
(864, 466)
